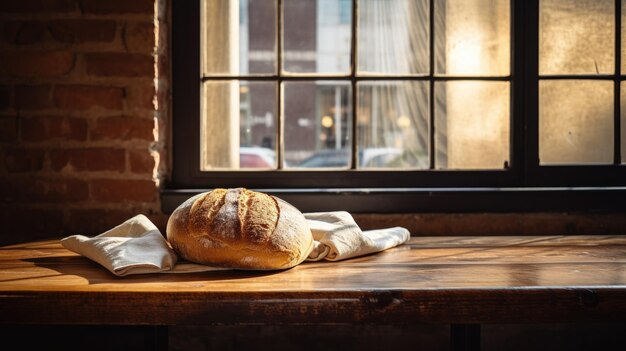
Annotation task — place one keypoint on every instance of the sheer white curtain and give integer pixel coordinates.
(393, 39)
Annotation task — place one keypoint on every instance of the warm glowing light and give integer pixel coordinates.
(244, 89)
(473, 121)
(327, 122)
(466, 56)
(403, 121)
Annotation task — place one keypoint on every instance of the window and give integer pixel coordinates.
(407, 99)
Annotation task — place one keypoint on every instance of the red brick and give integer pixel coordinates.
(23, 223)
(139, 37)
(162, 10)
(120, 65)
(163, 66)
(8, 129)
(24, 32)
(36, 63)
(23, 160)
(141, 161)
(49, 128)
(162, 33)
(159, 219)
(61, 190)
(39, 189)
(117, 6)
(94, 221)
(69, 189)
(89, 159)
(123, 128)
(141, 96)
(162, 98)
(82, 31)
(32, 96)
(116, 190)
(36, 6)
(86, 96)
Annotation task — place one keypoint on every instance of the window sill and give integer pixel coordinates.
(436, 200)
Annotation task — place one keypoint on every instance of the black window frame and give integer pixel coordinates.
(524, 186)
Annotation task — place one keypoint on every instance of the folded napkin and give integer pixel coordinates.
(133, 247)
(338, 237)
(138, 247)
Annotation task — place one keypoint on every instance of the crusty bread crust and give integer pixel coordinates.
(241, 229)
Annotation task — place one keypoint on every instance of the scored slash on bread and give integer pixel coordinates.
(241, 229)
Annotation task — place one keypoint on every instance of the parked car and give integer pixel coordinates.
(368, 158)
(378, 157)
(256, 157)
(326, 158)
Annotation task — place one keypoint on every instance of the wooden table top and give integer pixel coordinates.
(428, 280)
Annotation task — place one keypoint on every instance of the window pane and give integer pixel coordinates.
(238, 37)
(316, 36)
(576, 37)
(575, 121)
(393, 37)
(318, 124)
(392, 127)
(472, 125)
(472, 37)
(238, 125)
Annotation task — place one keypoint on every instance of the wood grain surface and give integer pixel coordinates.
(428, 280)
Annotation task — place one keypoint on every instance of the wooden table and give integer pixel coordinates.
(461, 281)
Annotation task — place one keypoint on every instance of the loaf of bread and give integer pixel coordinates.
(241, 229)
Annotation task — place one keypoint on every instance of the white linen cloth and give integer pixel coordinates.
(338, 237)
(133, 247)
(138, 247)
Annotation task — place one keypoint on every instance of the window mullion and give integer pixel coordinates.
(617, 153)
(280, 149)
(526, 87)
(431, 93)
(353, 64)
(521, 82)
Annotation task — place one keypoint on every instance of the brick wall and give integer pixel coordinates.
(83, 111)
